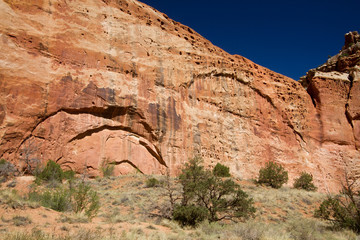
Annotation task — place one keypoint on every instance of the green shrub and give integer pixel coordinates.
(56, 199)
(107, 168)
(343, 211)
(190, 215)
(222, 199)
(85, 200)
(152, 182)
(305, 181)
(51, 173)
(221, 170)
(273, 175)
(80, 198)
(69, 175)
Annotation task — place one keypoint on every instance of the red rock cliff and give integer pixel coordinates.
(84, 81)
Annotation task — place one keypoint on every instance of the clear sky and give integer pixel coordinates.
(289, 37)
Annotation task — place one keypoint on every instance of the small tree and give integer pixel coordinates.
(202, 190)
(273, 175)
(343, 210)
(305, 181)
(221, 170)
(28, 156)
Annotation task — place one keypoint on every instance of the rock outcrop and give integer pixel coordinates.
(82, 82)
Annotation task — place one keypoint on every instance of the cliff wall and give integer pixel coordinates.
(87, 81)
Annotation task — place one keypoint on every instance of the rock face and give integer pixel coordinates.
(83, 82)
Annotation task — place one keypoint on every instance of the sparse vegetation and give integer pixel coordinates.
(273, 175)
(281, 214)
(343, 210)
(221, 170)
(305, 181)
(132, 211)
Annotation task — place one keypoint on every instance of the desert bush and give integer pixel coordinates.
(80, 198)
(305, 181)
(6, 170)
(57, 199)
(221, 170)
(51, 173)
(343, 210)
(190, 215)
(69, 174)
(273, 175)
(84, 199)
(152, 182)
(107, 168)
(21, 220)
(201, 189)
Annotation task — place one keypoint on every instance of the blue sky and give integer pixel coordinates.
(289, 37)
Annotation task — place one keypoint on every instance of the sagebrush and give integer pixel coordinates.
(305, 181)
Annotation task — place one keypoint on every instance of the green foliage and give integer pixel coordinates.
(305, 181)
(107, 168)
(273, 175)
(85, 200)
(51, 173)
(152, 182)
(80, 198)
(69, 174)
(343, 211)
(221, 170)
(222, 199)
(190, 215)
(57, 199)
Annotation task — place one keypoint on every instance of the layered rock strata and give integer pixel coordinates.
(83, 82)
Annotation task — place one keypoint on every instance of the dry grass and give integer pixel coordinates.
(131, 210)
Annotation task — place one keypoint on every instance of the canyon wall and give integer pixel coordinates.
(88, 81)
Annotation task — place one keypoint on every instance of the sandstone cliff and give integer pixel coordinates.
(84, 81)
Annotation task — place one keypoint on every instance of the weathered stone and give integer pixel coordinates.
(81, 83)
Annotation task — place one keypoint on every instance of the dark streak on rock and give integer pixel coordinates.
(2, 114)
(130, 163)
